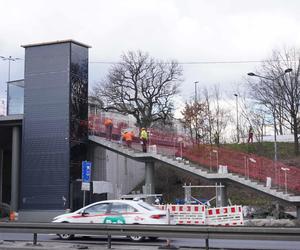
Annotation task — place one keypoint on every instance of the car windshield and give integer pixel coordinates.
(147, 206)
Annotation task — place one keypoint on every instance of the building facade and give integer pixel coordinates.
(55, 132)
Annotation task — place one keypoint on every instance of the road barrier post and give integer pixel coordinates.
(206, 244)
(168, 245)
(34, 239)
(109, 241)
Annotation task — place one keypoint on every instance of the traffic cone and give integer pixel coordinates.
(12, 216)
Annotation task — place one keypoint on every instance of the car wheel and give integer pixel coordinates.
(65, 236)
(136, 238)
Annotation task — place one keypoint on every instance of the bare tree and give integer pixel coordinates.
(194, 119)
(207, 118)
(221, 116)
(141, 86)
(280, 92)
(255, 116)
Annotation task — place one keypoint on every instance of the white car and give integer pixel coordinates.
(116, 212)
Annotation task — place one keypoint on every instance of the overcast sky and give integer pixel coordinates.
(184, 30)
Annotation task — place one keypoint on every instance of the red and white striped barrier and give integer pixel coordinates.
(201, 215)
(225, 216)
(186, 214)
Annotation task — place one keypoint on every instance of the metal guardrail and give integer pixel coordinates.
(167, 231)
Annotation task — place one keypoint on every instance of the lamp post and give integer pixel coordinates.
(217, 154)
(180, 140)
(253, 161)
(210, 166)
(196, 90)
(196, 118)
(237, 119)
(274, 108)
(285, 178)
(246, 165)
(9, 59)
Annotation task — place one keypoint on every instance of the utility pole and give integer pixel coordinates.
(237, 119)
(196, 91)
(196, 118)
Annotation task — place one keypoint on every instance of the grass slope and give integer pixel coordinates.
(285, 151)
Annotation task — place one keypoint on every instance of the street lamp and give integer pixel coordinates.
(285, 177)
(237, 119)
(196, 90)
(196, 118)
(217, 154)
(274, 103)
(246, 165)
(9, 59)
(180, 140)
(253, 161)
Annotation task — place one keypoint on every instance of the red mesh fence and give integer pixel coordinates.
(249, 165)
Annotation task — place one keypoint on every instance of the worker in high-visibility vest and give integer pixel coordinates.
(128, 138)
(108, 123)
(144, 139)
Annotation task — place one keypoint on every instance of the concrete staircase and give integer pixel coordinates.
(195, 169)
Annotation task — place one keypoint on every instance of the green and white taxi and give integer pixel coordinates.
(115, 212)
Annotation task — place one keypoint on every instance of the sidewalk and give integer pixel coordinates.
(67, 246)
(63, 246)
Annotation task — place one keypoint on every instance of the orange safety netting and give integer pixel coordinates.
(248, 165)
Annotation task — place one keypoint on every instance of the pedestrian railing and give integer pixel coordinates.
(166, 231)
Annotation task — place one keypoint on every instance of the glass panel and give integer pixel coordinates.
(79, 94)
(99, 209)
(122, 208)
(146, 206)
(78, 115)
(16, 98)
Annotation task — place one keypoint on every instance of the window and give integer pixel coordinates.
(15, 96)
(122, 208)
(99, 208)
(146, 206)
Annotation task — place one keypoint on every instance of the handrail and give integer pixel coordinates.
(168, 231)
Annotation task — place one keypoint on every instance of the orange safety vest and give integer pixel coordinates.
(128, 136)
(108, 122)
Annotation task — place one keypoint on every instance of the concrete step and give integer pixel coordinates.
(200, 170)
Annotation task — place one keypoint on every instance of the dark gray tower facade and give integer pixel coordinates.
(55, 125)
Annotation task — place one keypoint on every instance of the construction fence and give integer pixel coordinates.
(261, 169)
(202, 215)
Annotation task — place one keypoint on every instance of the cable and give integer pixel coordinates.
(201, 62)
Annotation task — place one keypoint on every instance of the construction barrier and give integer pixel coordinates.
(188, 214)
(201, 215)
(225, 216)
